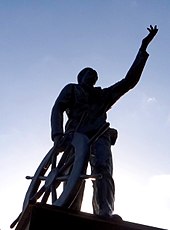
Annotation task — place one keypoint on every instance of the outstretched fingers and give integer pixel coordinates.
(152, 29)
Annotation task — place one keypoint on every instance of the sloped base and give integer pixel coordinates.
(48, 217)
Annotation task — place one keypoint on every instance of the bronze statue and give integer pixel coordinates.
(86, 107)
(86, 136)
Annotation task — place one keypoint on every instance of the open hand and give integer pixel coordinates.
(152, 30)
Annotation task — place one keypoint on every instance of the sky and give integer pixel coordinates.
(44, 45)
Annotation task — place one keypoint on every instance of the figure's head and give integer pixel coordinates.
(87, 76)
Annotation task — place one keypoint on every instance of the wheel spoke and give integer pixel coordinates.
(38, 194)
(53, 193)
(45, 196)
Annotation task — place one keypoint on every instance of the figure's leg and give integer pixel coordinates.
(77, 202)
(104, 188)
(76, 205)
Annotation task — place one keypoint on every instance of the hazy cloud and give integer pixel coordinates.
(151, 100)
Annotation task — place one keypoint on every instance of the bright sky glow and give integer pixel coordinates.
(44, 44)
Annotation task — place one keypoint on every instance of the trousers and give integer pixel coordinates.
(103, 187)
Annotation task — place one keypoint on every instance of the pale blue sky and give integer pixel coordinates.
(44, 44)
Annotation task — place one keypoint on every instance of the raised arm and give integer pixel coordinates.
(138, 65)
(136, 69)
(134, 73)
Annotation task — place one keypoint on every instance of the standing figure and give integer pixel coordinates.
(86, 107)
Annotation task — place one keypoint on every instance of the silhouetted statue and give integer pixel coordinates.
(86, 107)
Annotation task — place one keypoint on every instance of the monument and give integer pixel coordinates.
(55, 194)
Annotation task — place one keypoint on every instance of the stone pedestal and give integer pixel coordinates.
(48, 217)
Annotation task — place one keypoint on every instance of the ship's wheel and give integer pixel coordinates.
(60, 175)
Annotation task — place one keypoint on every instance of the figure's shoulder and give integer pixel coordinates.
(98, 88)
(70, 86)
(102, 90)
